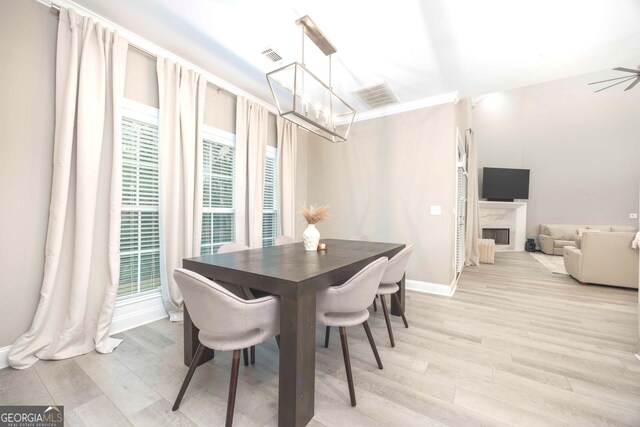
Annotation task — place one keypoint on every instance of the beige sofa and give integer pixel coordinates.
(554, 237)
(604, 259)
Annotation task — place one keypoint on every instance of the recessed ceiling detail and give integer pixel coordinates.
(377, 96)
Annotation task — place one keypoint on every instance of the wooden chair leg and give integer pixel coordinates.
(347, 364)
(187, 379)
(404, 318)
(233, 386)
(373, 344)
(253, 354)
(387, 319)
(326, 337)
(245, 356)
(278, 341)
(375, 306)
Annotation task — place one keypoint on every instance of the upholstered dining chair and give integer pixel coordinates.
(241, 291)
(284, 240)
(396, 268)
(346, 305)
(226, 322)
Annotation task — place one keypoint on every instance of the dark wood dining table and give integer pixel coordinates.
(294, 275)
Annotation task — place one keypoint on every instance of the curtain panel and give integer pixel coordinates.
(82, 253)
(251, 148)
(287, 144)
(182, 94)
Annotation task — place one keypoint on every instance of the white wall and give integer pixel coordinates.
(382, 181)
(583, 148)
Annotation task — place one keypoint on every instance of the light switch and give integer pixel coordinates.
(633, 216)
(436, 210)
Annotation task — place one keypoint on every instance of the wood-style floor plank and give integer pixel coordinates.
(516, 345)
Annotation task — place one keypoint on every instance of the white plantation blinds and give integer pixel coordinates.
(139, 229)
(218, 222)
(270, 202)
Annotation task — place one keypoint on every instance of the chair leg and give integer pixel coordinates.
(347, 364)
(404, 318)
(245, 356)
(375, 306)
(387, 319)
(278, 341)
(253, 354)
(326, 337)
(187, 379)
(233, 386)
(373, 344)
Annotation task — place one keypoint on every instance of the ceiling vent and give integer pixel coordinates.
(377, 96)
(271, 55)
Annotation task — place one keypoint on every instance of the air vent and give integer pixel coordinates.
(377, 96)
(271, 55)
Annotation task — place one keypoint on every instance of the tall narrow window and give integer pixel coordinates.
(270, 200)
(139, 229)
(218, 224)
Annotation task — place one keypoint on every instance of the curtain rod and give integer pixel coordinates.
(56, 9)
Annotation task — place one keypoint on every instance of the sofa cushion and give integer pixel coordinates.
(563, 232)
(562, 243)
(624, 228)
(578, 241)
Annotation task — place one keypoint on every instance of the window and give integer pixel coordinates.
(139, 229)
(270, 200)
(218, 222)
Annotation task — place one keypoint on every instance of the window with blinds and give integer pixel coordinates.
(218, 223)
(270, 203)
(139, 229)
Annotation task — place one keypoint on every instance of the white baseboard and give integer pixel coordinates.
(431, 288)
(130, 314)
(4, 356)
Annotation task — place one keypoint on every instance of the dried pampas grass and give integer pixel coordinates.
(314, 214)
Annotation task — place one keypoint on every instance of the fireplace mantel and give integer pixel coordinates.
(511, 215)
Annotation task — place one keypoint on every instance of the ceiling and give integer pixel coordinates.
(419, 48)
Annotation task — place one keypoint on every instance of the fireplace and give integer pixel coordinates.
(500, 235)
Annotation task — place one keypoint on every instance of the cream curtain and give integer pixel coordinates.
(182, 95)
(82, 254)
(472, 254)
(287, 143)
(251, 148)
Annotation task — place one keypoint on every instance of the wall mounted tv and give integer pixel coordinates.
(505, 185)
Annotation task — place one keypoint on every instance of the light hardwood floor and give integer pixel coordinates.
(516, 345)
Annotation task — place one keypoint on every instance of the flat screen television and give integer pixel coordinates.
(505, 185)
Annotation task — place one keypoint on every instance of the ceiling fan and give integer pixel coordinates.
(635, 76)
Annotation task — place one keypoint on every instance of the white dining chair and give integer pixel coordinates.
(226, 322)
(284, 240)
(232, 247)
(393, 274)
(346, 305)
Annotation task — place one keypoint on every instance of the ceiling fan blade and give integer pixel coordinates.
(628, 70)
(615, 84)
(633, 84)
(602, 81)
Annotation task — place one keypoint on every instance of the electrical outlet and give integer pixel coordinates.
(633, 216)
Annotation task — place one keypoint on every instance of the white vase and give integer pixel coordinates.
(311, 238)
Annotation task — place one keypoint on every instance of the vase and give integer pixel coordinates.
(311, 238)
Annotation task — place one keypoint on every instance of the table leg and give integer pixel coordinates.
(191, 341)
(297, 357)
(395, 310)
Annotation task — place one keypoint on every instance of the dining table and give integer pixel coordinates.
(294, 275)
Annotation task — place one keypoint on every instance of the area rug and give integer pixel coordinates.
(553, 263)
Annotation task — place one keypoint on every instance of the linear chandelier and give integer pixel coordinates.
(307, 101)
